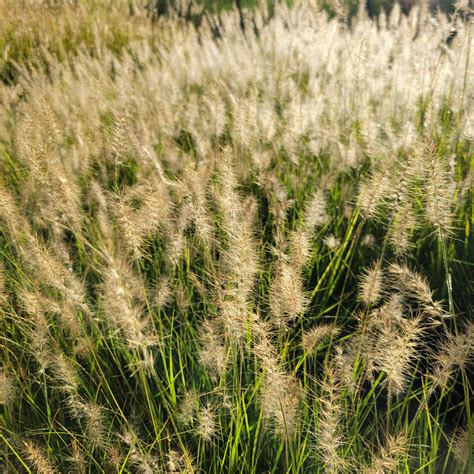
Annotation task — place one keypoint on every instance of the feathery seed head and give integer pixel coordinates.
(395, 348)
(315, 212)
(415, 286)
(463, 446)
(3, 295)
(329, 435)
(371, 192)
(439, 191)
(188, 408)
(177, 461)
(370, 285)
(403, 224)
(206, 423)
(213, 353)
(37, 459)
(457, 351)
(77, 459)
(114, 457)
(331, 241)
(7, 387)
(65, 373)
(314, 336)
(388, 457)
(95, 425)
(344, 360)
(287, 296)
(280, 398)
(300, 248)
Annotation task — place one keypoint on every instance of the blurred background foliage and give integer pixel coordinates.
(33, 32)
(373, 7)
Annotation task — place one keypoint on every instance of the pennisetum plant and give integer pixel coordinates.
(223, 237)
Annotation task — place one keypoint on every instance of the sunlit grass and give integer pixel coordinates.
(235, 251)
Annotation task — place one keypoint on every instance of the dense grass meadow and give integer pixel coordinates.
(240, 243)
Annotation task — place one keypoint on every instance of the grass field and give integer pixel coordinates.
(243, 247)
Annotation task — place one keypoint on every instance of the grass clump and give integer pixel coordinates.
(235, 250)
